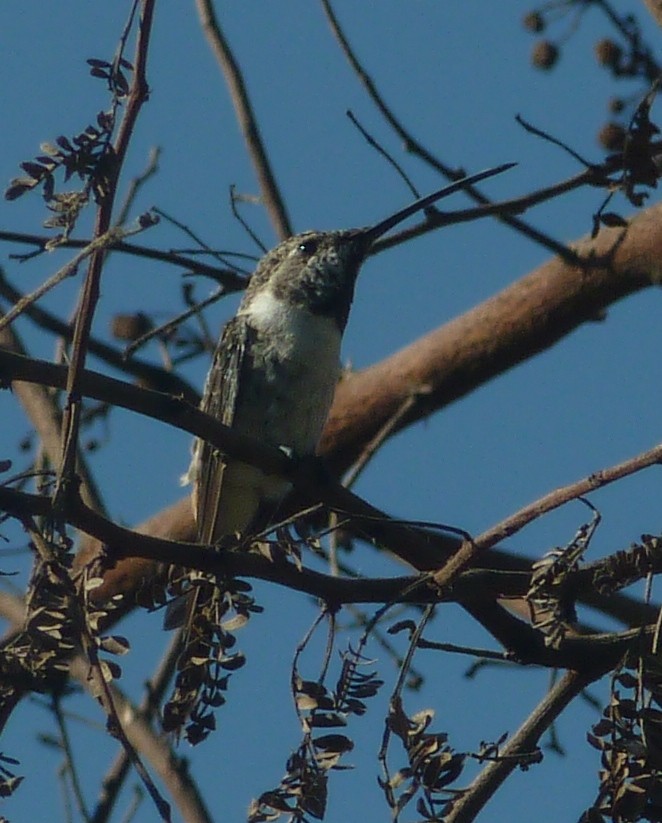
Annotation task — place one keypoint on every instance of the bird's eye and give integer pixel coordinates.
(308, 247)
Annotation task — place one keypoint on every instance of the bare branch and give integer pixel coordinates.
(228, 277)
(44, 414)
(524, 740)
(472, 590)
(188, 798)
(511, 525)
(655, 9)
(527, 317)
(90, 294)
(98, 244)
(152, 746)
(413, 146)
(246, 119)
(150, 375)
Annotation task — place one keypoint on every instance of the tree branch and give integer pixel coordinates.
(474, 590)
(415, 147)
(150, 375)
(246, 119)
(228, 277)
(522, 742)
(524, 319)
(90, 293)
(41, 409)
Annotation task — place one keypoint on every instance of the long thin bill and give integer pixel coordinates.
(377, 230)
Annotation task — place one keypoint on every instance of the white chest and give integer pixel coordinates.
(296, 333)
(300, 371)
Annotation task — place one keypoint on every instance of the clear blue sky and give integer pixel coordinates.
(457, 77)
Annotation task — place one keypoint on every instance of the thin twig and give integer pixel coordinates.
(171, 770)
(120, 768)
(531, 129)
(68, 753)
(388, 157)
(133, 807)
(165, 328)
(378, 440)
(106, 698)
(98, 684)
(229, 277)
(486, 654)
(468, 805)
(249, 231)
(204, 247)
(360, 464)
(68, 270)
(299, 650)
(413, 146)
(271, 196)
(437, 219)
(138, 93)
(395, 698)
(516, 522)
(148, 373)
(361, 620)
(137, 183)
(46, 418)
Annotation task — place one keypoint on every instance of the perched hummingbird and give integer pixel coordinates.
(273, 377)
(277, 364)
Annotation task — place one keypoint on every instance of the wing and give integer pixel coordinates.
(221, 507)
(209, 467)
(219, 401)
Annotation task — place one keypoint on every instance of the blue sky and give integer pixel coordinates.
(457, 82)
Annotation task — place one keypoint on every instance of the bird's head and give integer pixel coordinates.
(318, 269)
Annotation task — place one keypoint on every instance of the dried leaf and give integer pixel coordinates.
(9, 785)
(115, 644)
(401, 626)
(333, 742)
(50, 149)
(34, 170)
(64, 143)
(233, 662)
(110, 670)
(238, 621)
(18, 187)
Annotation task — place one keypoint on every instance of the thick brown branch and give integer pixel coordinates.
(531, 315)
(655, 8)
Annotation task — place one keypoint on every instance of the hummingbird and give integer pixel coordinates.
(277, 363)
(273, 377)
